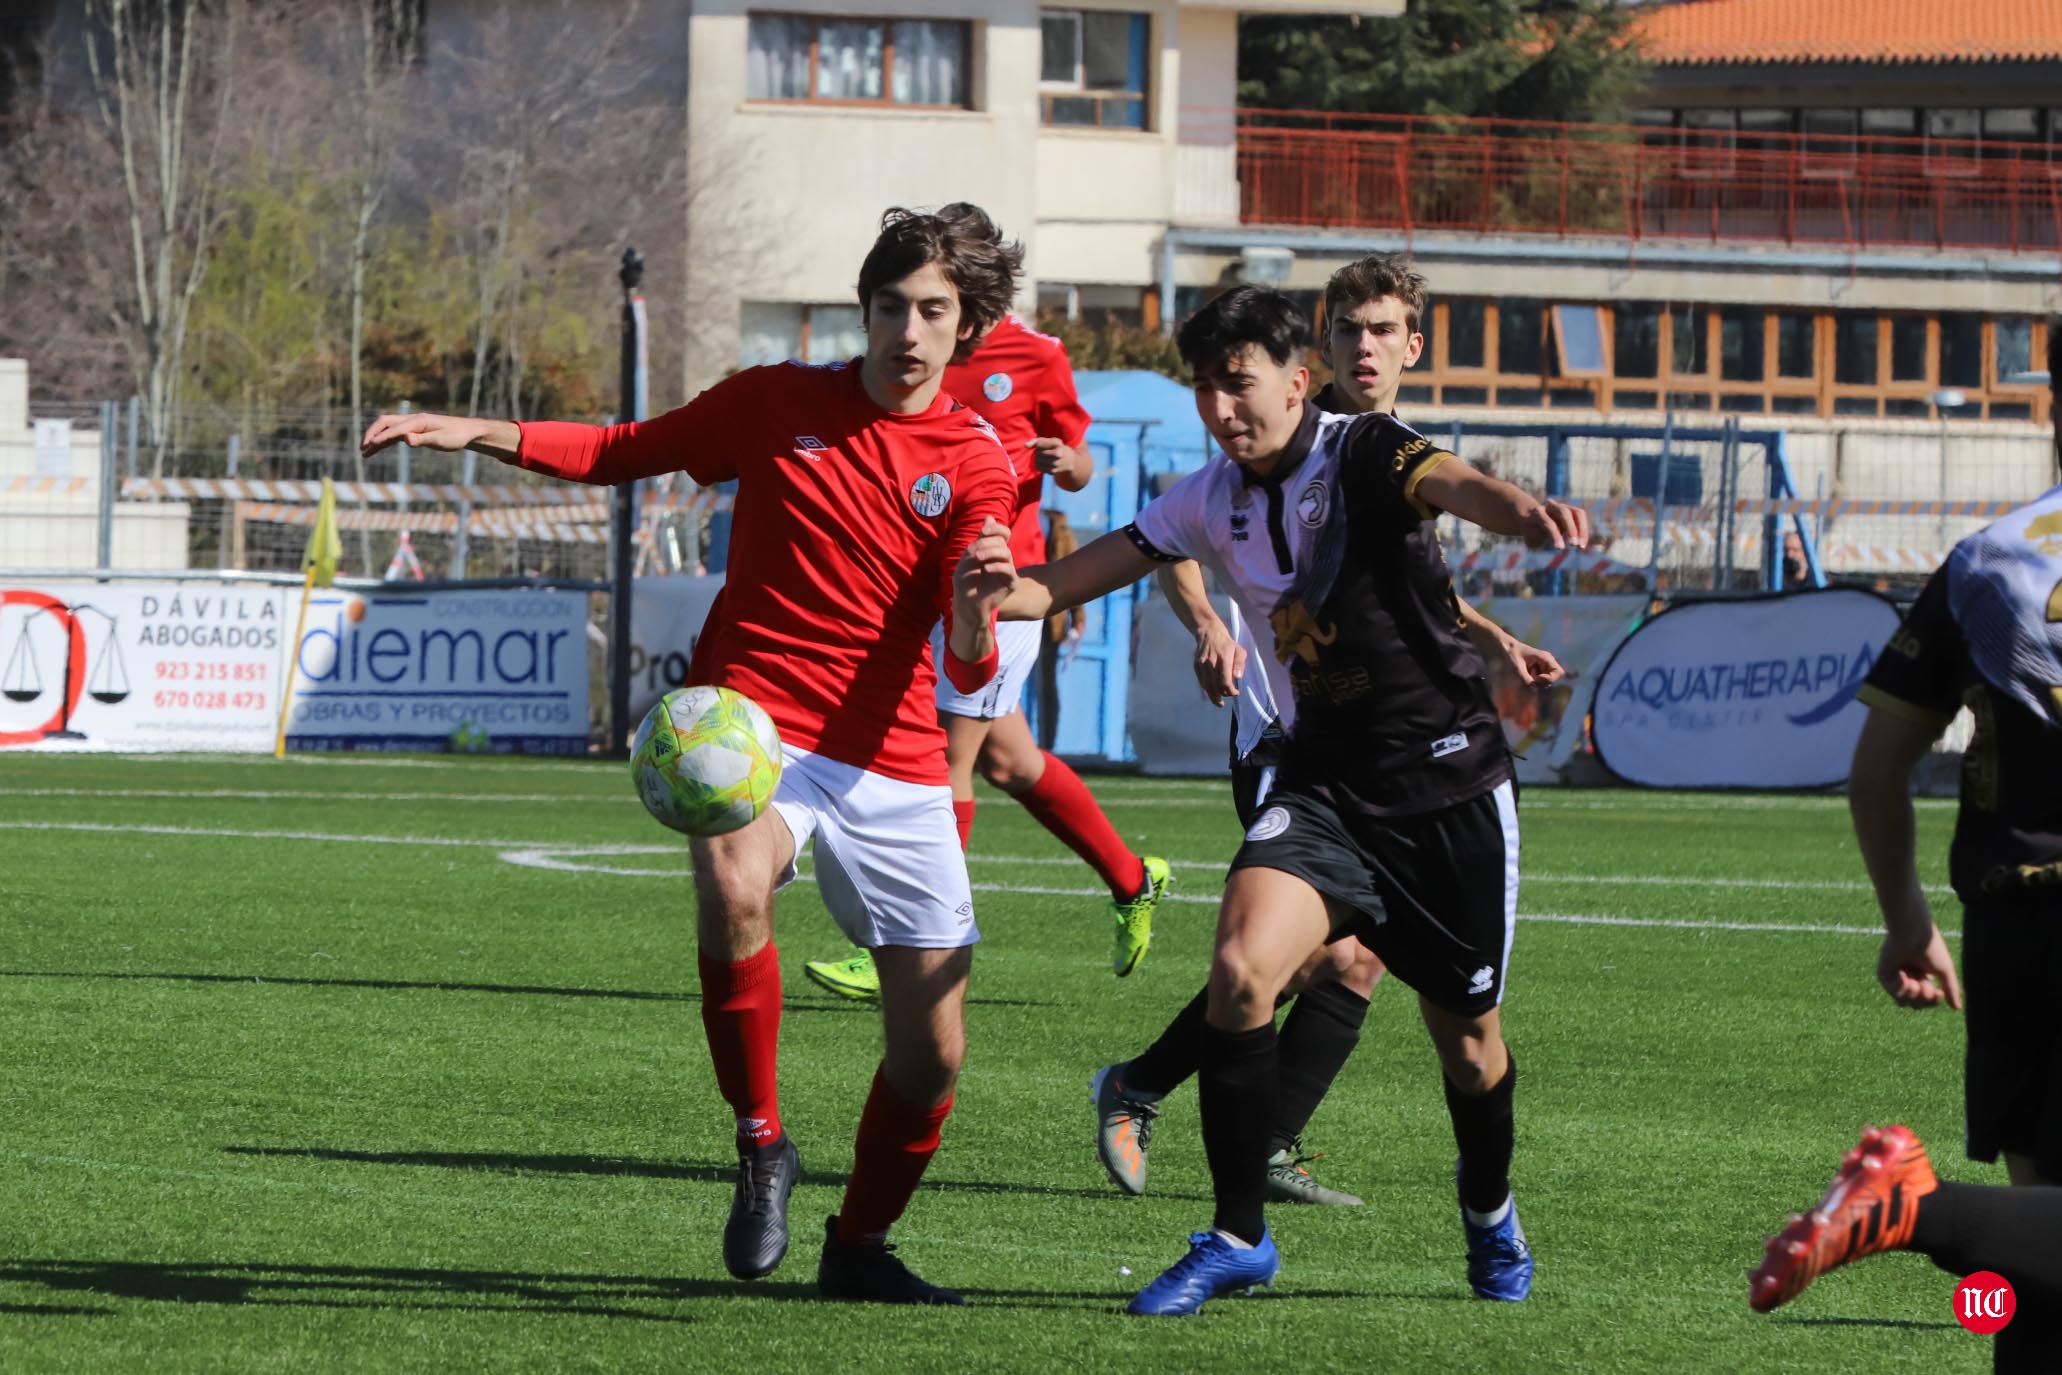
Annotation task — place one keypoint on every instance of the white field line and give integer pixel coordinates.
(310, 795)
(553, 855)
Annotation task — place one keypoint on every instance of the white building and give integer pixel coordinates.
(1085, 131)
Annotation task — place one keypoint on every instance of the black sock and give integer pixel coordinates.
(1170, 1060)
(1963, 1228)
(1482, 1128)
(1320, 1031)
(1237, 1089)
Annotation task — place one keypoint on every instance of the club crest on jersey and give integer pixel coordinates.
(930, 494)
(1312, 504)
(998, 386)
(1270, 824)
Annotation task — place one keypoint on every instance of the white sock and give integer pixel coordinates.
(1489, 1219)
(1236, 1244)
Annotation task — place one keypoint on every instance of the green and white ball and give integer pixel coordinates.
(470, 738)
(706, 760)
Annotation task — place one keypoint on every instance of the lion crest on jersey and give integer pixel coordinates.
(1298, 634)
(2045, 533)
(930, 494)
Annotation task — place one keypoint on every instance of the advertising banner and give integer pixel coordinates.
(1543, 725)
(666, 616)
(403, 672)
(141, 667)
(1753, 693)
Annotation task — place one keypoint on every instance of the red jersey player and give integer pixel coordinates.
(860, 487)
(1020, 381)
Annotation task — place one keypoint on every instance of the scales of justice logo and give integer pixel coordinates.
(23, 680)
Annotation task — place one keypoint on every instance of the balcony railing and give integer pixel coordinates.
(1843, 190)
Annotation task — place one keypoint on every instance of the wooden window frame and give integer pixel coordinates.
(1077, 89)
(887, 25)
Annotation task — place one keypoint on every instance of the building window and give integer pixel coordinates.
(1740, 345)
(1908, 348)
(921, 62)
(1707, 139)
(1829, 142)
(1947, 134)
(1465, 328)
(1094, 67)
(1519, 326)
(2015, 349)
(776, 331)
(1579, 343)
(1854, 350)
(1890, 131)
(1099, 305)
(1636, 340)
(1794, 351)
(1961, 351)
(1689, 348)
(1763, 129)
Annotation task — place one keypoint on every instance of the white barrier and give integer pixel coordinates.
(1753, 693)
(144, 667)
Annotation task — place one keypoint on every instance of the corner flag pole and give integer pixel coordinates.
(319, 566)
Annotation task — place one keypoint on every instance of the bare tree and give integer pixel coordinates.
(159, 77)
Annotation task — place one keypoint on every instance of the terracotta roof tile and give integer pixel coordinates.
(1697, 32)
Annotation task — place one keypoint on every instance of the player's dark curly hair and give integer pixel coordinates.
(1242, 316)
(982, 266)
(1373, 277)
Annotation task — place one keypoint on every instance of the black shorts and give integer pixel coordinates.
(2011, 966)
(1435, 895)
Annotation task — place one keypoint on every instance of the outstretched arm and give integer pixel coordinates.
(1914, 966)
(1456, 486)
(445, 433)
(1094, 571)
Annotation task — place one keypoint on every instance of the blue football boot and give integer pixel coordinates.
(1499, 1261)
(1212, 1268)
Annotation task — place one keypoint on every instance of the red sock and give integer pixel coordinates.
(741, 1013)
(963, 813)
(896, 1141)
(1064, 806)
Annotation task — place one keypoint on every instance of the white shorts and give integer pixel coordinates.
(888, 860)
(1016, 644)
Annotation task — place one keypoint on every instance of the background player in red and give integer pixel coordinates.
(860, 487)
(1020, 381)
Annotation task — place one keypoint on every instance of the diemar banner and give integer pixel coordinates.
(1753, 693)
(1543, 725)
(403, 671)
(141, 667)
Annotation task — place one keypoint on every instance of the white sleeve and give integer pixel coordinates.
(1174, 525)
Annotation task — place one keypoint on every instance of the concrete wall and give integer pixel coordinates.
(54, 522)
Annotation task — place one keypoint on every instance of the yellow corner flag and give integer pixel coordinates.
(325, 545)
(318, 569)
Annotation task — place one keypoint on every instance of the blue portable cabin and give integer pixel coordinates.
(1146, 434)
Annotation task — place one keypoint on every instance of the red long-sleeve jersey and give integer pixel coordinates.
(848, 523)
(1021, 382)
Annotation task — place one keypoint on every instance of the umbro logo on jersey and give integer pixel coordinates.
(1452, 744)
(1484, 980)
(809, 446)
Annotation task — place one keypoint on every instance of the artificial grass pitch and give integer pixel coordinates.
(345, 1063)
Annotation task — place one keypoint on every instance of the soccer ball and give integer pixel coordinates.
(470, 738)
(706, 760)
